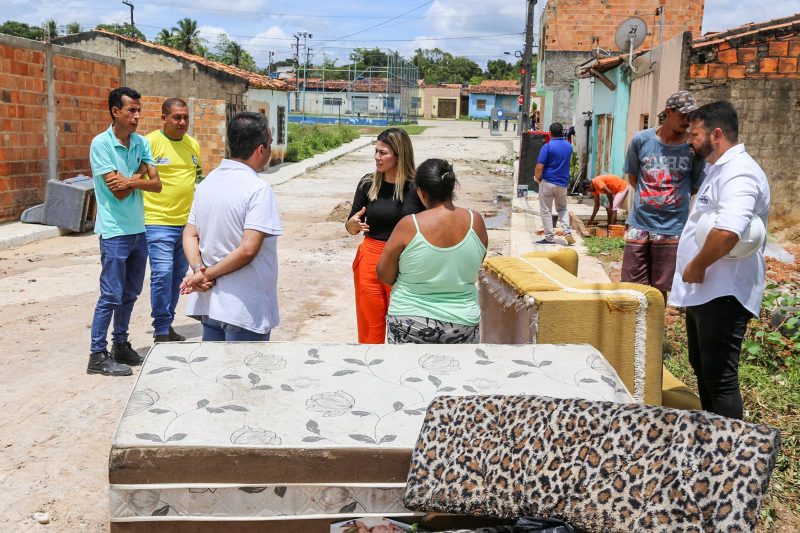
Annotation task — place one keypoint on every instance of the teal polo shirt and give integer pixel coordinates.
(118, 217)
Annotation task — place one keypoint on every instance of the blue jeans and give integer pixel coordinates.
(168, 267)
(214, 330)
(123, 260)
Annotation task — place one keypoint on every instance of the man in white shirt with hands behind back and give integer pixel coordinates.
(721, 292)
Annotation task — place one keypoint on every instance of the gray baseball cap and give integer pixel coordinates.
(681, 101)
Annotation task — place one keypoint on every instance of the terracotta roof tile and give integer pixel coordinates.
(496, 87)
(258, 81)
(790, 24)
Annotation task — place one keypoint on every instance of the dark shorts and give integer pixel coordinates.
(649, 258)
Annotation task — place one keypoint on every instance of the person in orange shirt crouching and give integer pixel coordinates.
(616, 189)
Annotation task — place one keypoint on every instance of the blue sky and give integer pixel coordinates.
(480, 30)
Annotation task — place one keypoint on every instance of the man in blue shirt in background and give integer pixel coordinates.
(121, 163)
(552, 175)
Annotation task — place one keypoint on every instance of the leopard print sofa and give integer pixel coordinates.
(599, 466)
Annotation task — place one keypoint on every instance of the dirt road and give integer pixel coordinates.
(57, 422)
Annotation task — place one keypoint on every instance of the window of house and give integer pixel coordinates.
(332, 101)
(414, 101)
(481, 105)
(388, 102)
(281, 125)
(644, 121)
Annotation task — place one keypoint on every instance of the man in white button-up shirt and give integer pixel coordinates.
(721, 293)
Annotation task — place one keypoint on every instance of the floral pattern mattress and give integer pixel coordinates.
(277, 431)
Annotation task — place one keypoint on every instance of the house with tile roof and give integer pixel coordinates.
(490, 94)
(160, 71)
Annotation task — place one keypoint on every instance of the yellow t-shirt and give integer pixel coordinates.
(178, 164)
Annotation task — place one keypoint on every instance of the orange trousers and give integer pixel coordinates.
(372, 296)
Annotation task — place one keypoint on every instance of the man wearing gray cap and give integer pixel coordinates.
(663, 175)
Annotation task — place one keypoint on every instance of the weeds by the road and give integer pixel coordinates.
(305, 141)
(411, 129)
(769, 374)
(606, 248)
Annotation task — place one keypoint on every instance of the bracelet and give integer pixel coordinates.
(197, 267)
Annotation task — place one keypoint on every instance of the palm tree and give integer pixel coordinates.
(50, 29)
(165, 38)
(187, 36)
(72, 27)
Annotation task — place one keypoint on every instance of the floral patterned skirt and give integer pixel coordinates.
(421, 330)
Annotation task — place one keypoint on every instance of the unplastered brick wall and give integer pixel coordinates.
(206, 124)
(764, 57)
(758, 74)
(23, 150)
(81, 94)
(40, 140)
(580, 25)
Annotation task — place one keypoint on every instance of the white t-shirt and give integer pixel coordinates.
(736, 190)
(231, 199)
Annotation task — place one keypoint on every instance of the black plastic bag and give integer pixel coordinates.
(537, 524)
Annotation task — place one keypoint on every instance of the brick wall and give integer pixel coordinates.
(758, 74)
(81, 89)
(206, 124)
(23, 147)
(570, 25)
(35, 146)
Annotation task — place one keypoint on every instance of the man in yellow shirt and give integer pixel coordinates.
(177, 157)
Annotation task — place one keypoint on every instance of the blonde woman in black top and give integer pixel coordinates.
(382, 198)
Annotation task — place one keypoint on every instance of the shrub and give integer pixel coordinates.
(307, 140)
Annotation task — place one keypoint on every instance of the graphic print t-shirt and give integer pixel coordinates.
(667, 174)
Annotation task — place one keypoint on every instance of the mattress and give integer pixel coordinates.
(290, 431)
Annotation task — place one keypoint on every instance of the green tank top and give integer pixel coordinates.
(439, 283)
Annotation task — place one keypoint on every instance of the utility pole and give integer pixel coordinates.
(130, 5)
(305, 35)
(270, 55)
(527, 61)
(305, 79)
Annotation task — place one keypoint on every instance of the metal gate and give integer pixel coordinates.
(446, 108)
(605, 128)
(234, 103)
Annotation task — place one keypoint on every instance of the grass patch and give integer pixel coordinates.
(411, 129)
(608, 248)
(307, 140)
(769, 376)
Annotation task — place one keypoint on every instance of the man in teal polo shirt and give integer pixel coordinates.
(123, 167)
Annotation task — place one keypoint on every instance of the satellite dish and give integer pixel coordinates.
(631, 34)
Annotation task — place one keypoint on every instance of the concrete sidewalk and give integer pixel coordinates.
(526, 222)
(13, 234)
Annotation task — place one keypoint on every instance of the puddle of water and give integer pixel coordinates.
(497, 220)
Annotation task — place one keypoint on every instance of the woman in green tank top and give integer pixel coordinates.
(432, 259)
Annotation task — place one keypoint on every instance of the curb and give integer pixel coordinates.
(36, 233)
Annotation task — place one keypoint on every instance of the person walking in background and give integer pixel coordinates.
(382, 198)
(615, 189)
(663, 174)
(120, 158)
(721, 292)
(433, 259)
(231, 240)
(552, 175)
(177, 157)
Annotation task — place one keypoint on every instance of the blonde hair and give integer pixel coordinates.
(400, 143)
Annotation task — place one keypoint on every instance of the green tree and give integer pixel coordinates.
(72, 27)
(21, 29)
(123, 29)
(438, 66)
(231, 53)
(500, 69)
(165, 38)
(187, 37)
